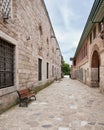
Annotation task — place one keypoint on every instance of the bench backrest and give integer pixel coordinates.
(23, 92)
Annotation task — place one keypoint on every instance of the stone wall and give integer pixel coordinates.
(30, 30)
(102, 72)
(92, 65)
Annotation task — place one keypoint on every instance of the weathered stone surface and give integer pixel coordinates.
(92, 123)
(51, 109)
(47, 126)
(31, 43)
(89, 56)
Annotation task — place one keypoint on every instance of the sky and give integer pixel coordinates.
(68, 18)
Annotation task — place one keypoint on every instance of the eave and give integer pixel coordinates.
(96, 15)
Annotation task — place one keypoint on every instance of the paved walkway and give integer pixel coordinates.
(64, 105)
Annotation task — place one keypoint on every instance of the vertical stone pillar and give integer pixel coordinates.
(102, 79)
(89, 77)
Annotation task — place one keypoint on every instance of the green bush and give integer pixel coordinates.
(65, 68)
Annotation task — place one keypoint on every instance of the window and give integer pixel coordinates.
(94, 33)
(90, 38)
(47, 70)
(52, 71)
(6, 8)
(39, 69)
(52, 49)
(74, 62)
(86, 50)
(6, 64)
(99, 27)
(83, 52)
(47, 43)
(40, 29)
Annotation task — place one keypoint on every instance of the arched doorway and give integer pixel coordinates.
(95, 73)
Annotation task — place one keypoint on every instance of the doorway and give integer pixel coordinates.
(95, 72)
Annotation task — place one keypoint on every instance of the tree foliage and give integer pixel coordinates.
(65, 68)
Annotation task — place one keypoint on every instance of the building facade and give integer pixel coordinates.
(28, 48)
(88, 62)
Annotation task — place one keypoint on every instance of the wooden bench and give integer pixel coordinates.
(25, 96)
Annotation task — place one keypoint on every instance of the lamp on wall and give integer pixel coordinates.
(52, 36)
(28, 38)
(40, 48)
(47, 54)
(57, 48)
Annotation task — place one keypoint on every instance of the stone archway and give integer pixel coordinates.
(95, 73)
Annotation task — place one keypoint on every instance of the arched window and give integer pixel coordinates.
(40, 29)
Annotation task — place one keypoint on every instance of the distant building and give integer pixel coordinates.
(29, 53)
(88, 62)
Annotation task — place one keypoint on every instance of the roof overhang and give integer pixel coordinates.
(96, 15)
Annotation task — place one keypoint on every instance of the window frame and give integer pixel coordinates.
(8, 90)
(6, 64)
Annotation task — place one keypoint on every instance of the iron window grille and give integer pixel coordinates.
(90, 38)
(52, 71)
(6, 64)
(47, 70)
(6, 9)
(39, 69)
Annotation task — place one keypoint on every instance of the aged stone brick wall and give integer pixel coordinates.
(33, 16)
(90, 73)
(31, 31)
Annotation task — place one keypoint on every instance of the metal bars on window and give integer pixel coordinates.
(6, 8)
(47, 70)
(39, 69)
(6, 64)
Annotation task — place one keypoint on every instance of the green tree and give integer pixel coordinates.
(65, 68)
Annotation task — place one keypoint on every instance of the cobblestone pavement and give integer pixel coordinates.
(64, 105)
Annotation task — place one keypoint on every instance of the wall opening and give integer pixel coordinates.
(47, 70)
(6, 64)
(39, 69)
(95, 73)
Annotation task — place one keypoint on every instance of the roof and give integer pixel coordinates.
(96, 15)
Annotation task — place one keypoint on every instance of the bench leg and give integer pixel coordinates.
(20, 104)
(35, 97)
(26, 102)
(22, 101)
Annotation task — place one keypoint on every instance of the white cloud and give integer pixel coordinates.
(68, 19)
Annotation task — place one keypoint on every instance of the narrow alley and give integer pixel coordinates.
(65, 105)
